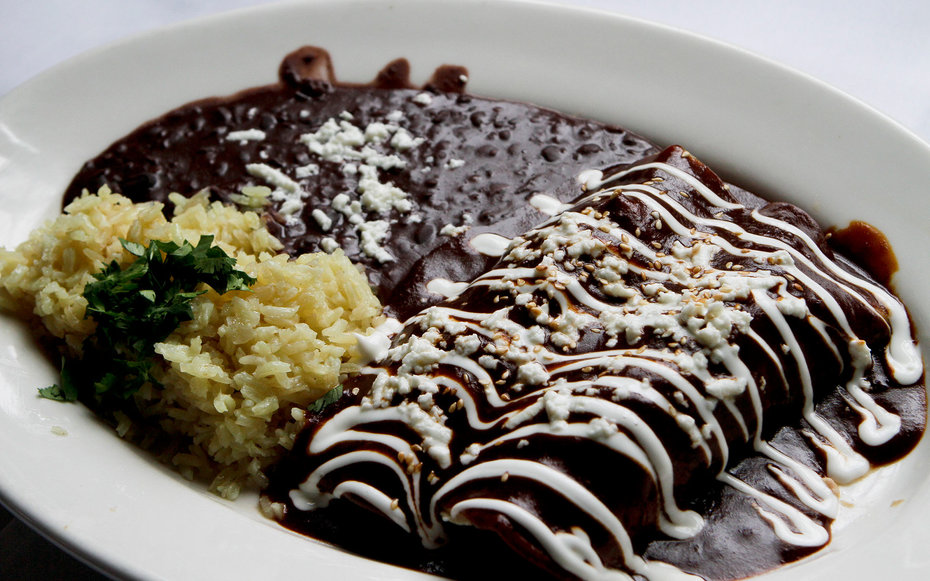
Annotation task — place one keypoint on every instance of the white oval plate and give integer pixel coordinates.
(762, 126)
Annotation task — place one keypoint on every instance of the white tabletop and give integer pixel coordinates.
(876, 52)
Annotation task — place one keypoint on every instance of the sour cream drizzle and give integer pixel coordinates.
(672, 325)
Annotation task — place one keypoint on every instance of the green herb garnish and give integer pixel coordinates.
(328, 398)
(137, 307)
(66, 391)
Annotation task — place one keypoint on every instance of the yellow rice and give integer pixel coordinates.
(237, 377)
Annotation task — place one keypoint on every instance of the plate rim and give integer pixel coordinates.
(80, 547)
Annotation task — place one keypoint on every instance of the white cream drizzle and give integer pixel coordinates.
(548, 205)
(446, 288)
(680, 296)
(490, 244)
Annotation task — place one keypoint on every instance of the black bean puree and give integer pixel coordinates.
(511, 151)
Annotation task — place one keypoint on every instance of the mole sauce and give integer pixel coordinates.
(476, 165)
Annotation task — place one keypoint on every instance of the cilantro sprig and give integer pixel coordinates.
(137, 307)
(327, 399)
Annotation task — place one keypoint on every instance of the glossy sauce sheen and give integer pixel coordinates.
(564, 397)
(512, 152)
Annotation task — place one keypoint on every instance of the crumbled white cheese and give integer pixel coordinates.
(488, 362)
(363, 153)
(558, 407)
(601, 429)
(372, 235)
(532, 373)
(423, 98)
(435, 434)
(273, 176)
(322, 219)
(380, 197)
(470, 454)
(726, 387)
(452, 231)
(467, 344)
(246, 135)
(403, 141)
(285, 190)
(305, 171)
(329, 245)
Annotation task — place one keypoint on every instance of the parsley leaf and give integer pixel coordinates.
(137, 307)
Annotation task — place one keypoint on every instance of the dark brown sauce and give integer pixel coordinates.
(511, 152)
(865, 245)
